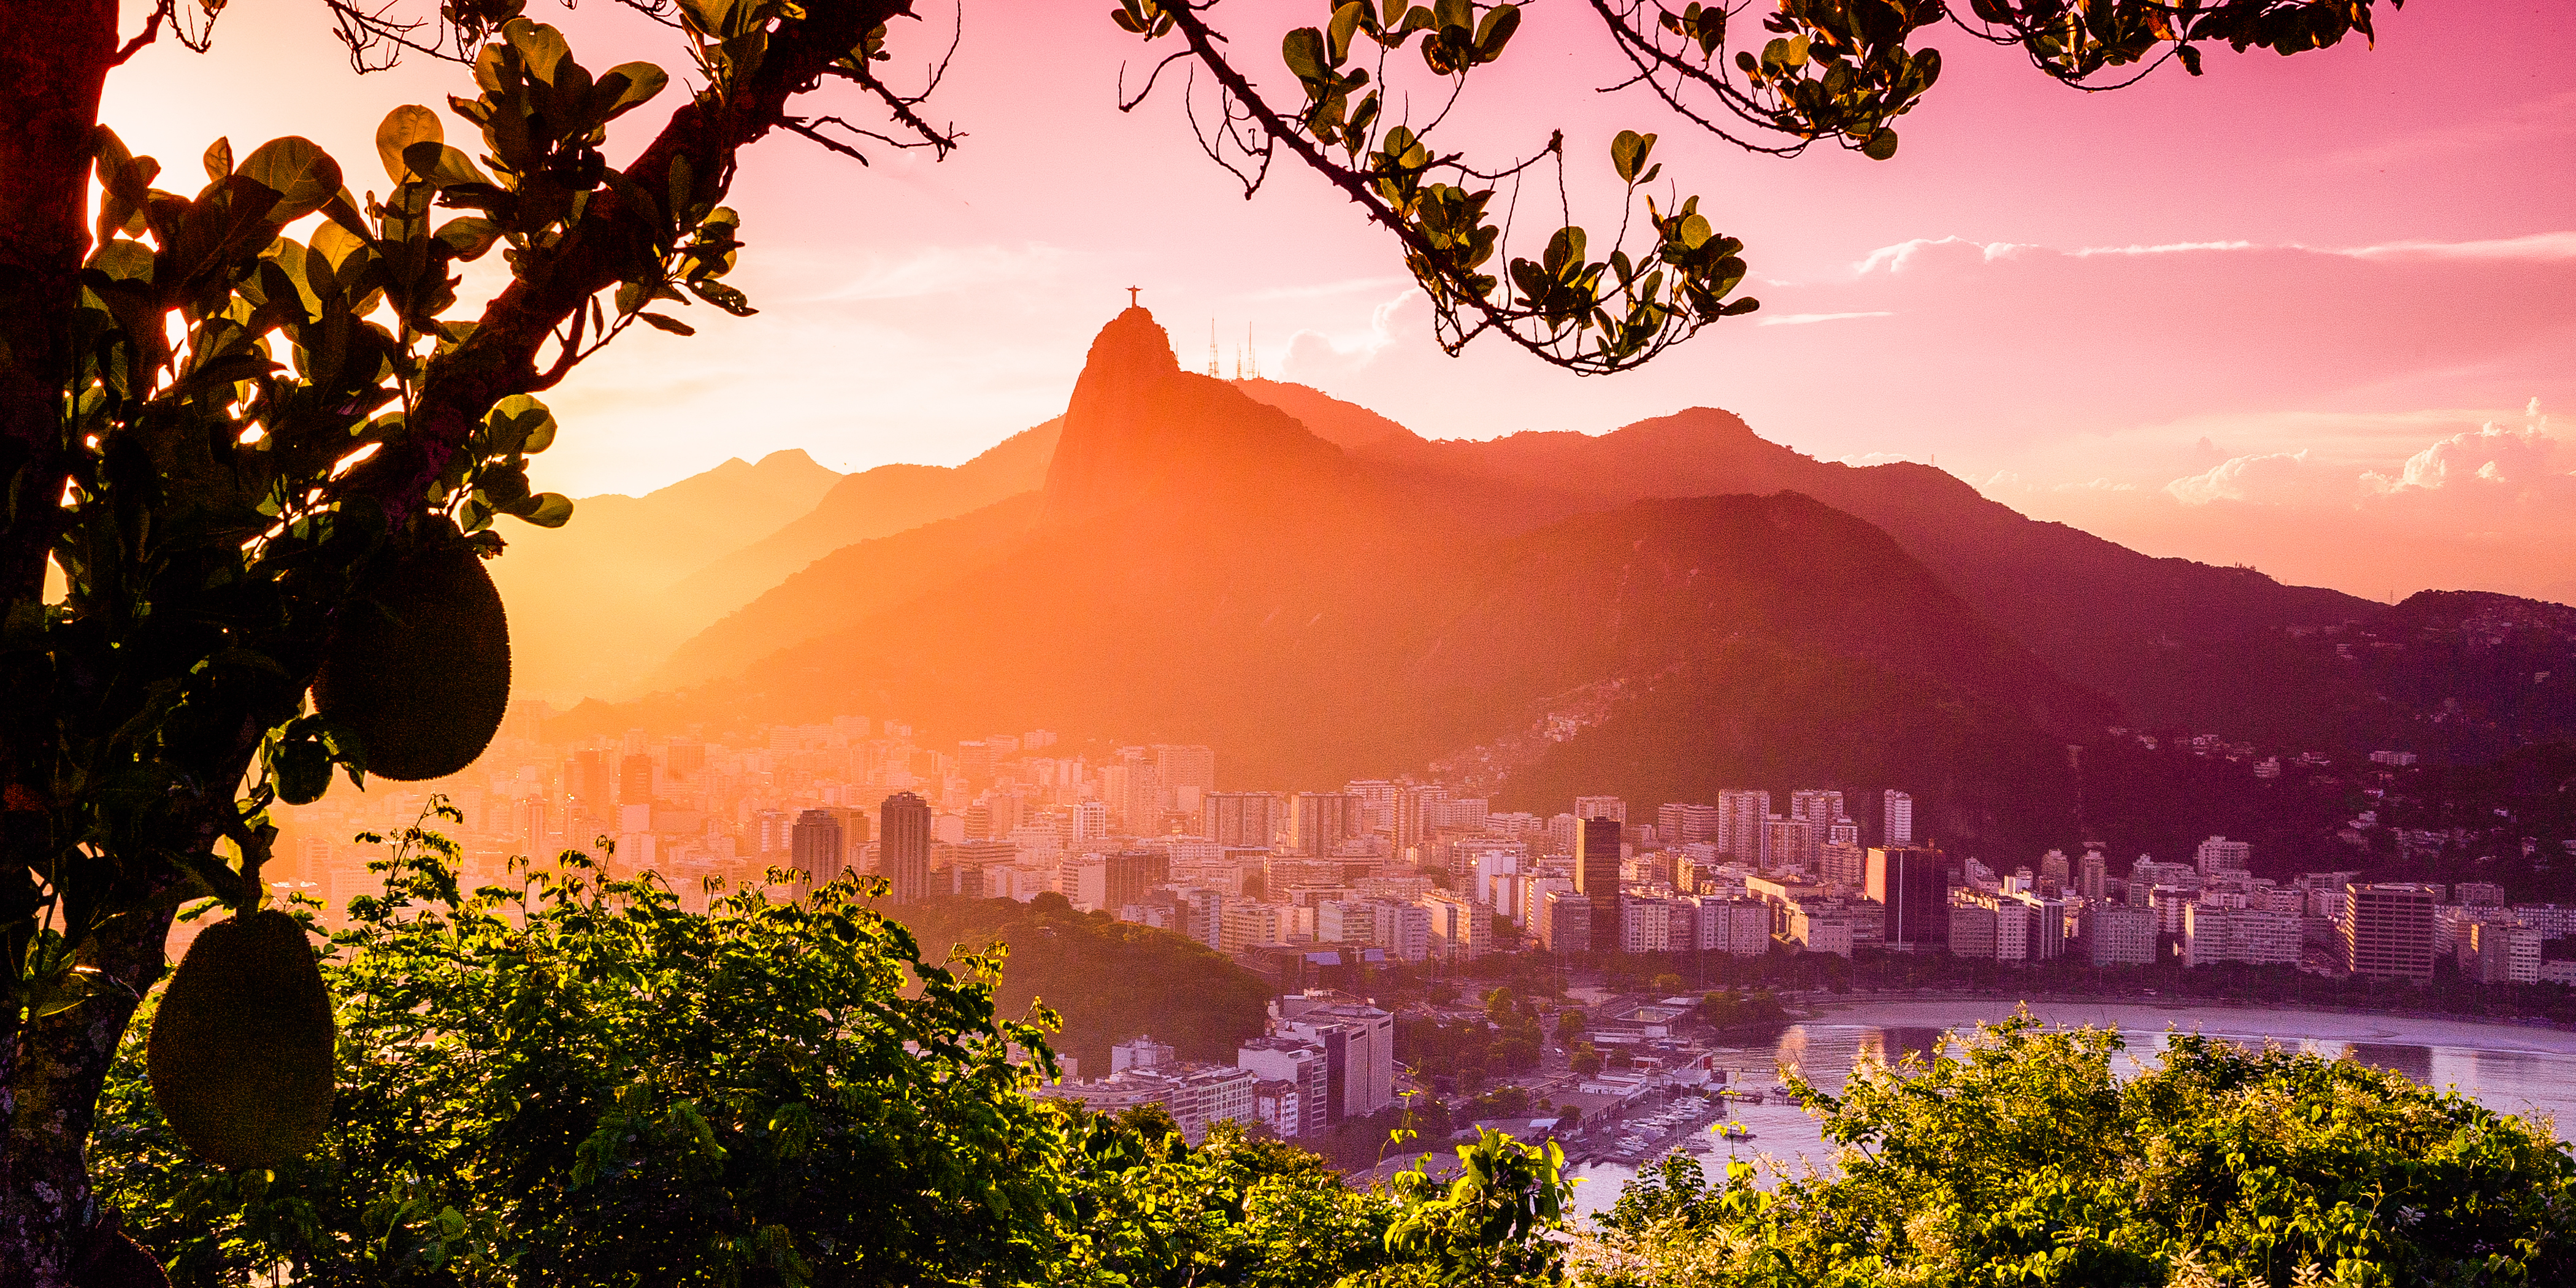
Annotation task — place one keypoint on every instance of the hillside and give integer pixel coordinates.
(1107, 980)
(2163, 636)
(590, 601)
(864, 506)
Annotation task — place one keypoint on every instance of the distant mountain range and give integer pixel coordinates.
(1322, 593)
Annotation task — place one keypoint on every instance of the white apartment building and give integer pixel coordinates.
(1460, 927)
(2218, 854)
(2259, 937)
(2117, 935)
(2500, 951)
(1646, 923)
(1820, 929)
(1358, 1042)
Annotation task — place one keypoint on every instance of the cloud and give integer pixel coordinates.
(1400, 325)
(1905, 255)
(1802, 319)
(2492, 455)
(2161, 248)
(2535, 246)
(2273, 478)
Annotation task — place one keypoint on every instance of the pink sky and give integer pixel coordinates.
(2311, 314)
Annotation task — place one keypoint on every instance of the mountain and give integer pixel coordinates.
(585, 598)
(867, 505)
(2163, 636)
(1201, 567)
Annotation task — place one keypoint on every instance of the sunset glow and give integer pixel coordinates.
(2307, 314)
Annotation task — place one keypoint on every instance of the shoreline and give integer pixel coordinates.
(1820, 1007)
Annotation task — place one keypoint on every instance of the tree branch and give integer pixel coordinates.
(500, 357)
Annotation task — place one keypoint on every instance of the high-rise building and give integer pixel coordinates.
(1319, 821)
(635, 780)
(1090, 822)
(1139, 801)
(1842, 863)
(1911, 882)
(2218, 854)
(1239, 820)
(1189, 765)
(1816, 805)
(591, 784)
(1791, 842)
(975, 762)
(1564, 921)
(2500, 950)
(1413, 806)
(2387, 930)
(1596, 873)
(816, 846)
(685, 756)
(2119, 935)
(903, 853)
(2092, 873)
(2054, 872)
(2212, 934)
(1609, 807)
(1741, 814)
(1895, 818)
(1131, 873)
(535, 837)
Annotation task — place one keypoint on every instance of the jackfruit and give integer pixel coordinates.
(240, 1057)
(419, 666)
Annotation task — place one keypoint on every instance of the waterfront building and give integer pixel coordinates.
(2387, 930)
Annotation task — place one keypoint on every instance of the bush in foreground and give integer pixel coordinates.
(2024, 1161)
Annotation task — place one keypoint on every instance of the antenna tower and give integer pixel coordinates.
(1212, 346)
(1253, 353)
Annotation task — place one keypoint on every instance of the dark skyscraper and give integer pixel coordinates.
(1911, 882)
(1596, 875)
(1131, 874)
(635, 780)
(817, 845)
(592, 793)
(903, 850)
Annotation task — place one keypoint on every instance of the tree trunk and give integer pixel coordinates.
(47, 1212)
(54, 56)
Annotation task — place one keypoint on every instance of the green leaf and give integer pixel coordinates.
(1346, 22)
(661, 322)
(1881, 144)
(1628, 153)
(624, 88)
(1303, 50)
(219, 159)
(1496, 31)
(403, 127)
(299, 171)
(546, 510)
(442, 166)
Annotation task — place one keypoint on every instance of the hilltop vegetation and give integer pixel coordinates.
(1106, 980)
